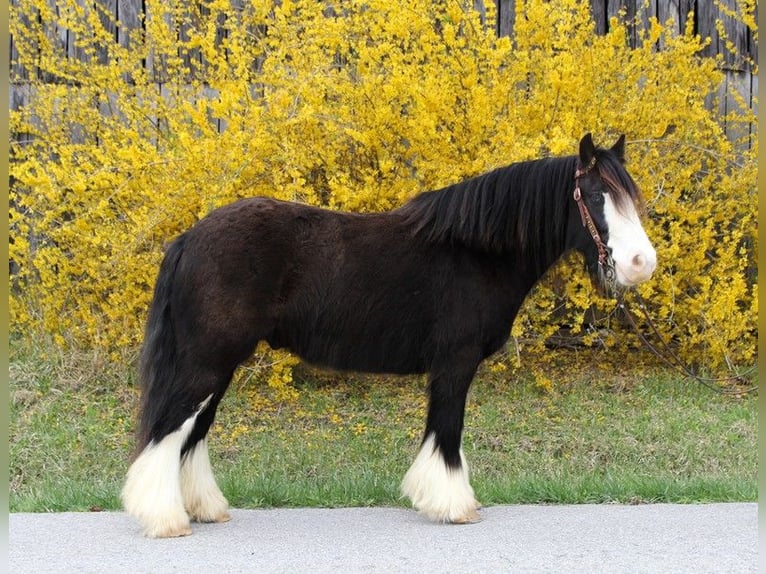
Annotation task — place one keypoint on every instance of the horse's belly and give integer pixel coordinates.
(370, 351)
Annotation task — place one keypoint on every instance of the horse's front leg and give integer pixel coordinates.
(437, 482)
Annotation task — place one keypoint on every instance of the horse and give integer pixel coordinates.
(432, 286)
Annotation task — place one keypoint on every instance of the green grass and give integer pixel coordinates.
(601, 435)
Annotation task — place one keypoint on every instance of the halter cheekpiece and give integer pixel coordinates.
(605, 261)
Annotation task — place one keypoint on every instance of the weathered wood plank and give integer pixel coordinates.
(613, 8)
(74, 42)
(736, 35)
(739, 87)
(646, 12)
(107, 16)
(687, 11)
(58, 36)
(129, 20)
(598, 10)
(17, 71)
(19, 95)
(670, 10)
(506, 17)
(669, 15)
(707, 13)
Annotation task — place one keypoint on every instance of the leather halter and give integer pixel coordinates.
(605, 261)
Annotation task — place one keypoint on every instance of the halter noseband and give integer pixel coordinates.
(605, 261)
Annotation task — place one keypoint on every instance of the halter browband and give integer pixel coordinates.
(604, 258)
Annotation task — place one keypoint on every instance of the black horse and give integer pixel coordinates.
(432, 286)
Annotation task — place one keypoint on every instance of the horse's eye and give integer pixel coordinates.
(597, 198)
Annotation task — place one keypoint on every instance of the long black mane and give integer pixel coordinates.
(520, 208)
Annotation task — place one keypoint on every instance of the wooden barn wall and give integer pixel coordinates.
(704, 12)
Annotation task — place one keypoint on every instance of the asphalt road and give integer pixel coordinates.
(715, 538)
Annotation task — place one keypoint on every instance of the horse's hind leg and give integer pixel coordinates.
(202, 498)
(437, 482)
(171, 478)
(198, 331)
(152, 490)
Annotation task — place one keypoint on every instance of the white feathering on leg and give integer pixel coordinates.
(441, 493)
(202, 498)
(152, 491)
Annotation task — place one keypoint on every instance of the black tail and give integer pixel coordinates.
(158, 356)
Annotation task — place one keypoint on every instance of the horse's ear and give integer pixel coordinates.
(587, 150)
(619, 148)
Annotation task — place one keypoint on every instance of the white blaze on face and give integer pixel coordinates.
(634, 257)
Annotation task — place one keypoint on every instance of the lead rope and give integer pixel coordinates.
(670, 358)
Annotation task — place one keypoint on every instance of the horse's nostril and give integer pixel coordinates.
(638, 261)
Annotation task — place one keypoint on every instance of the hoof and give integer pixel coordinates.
(213, 508)
(222, 517)
(470, 517)
(174, 531)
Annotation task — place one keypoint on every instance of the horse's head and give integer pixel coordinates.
(605, 224)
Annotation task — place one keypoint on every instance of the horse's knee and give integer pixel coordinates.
(439, 490)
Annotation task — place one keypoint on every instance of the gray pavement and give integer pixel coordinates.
(715, 538)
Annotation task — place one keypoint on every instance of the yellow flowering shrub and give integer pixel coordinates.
(358, 106)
